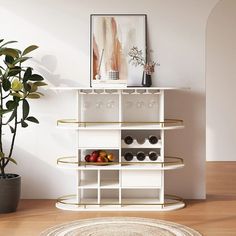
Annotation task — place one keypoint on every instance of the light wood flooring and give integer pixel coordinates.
(215, 216)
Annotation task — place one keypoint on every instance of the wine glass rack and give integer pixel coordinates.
(121, 184)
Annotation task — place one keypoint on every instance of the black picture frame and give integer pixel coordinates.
(144, 47)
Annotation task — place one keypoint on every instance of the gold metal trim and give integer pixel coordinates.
(178, 160)
(63, 160)
(85, 123)
(175, 199)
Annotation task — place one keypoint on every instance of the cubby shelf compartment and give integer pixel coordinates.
(88, 184)
(109, 201)
(104, 117)
(109, 184)
(141, 187)
(70, 202)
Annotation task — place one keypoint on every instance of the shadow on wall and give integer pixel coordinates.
(47, 66)
(188, 143)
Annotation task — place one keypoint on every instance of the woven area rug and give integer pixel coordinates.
(120, 226)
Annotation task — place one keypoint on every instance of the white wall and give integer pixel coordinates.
(221, 82)
(176, 32)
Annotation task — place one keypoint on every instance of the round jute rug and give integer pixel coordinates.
(120, 226)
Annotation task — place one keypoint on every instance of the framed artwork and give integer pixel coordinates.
(111, 38)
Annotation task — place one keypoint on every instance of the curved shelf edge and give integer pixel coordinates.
(69, 202)
(159, 125)
(117, 127)
(171, 163)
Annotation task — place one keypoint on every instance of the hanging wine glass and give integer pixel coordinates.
(110, 104)
(85, 91)
(140, 104)
(154, 91)
(141, 91)
(98, 91)
(128, 91)
(99, 104)
(110, 91)
(151, 104)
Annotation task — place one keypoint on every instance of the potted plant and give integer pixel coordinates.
(18, 84)
(137, 59)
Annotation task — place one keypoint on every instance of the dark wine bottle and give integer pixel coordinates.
(141, 156)
(153, 156)
(153, 139)
(128, 140)
(128, 156)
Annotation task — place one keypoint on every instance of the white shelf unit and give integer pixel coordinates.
(105, 117)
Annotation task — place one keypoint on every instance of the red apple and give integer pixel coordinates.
(102, 159)
(95, 154)
(93, 157)
(87, 158)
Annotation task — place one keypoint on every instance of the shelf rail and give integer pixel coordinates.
(74, 161)
(166, 122)
(169, 200)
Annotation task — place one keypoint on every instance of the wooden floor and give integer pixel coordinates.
(215, 216)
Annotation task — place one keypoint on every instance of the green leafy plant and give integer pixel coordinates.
(18, 84)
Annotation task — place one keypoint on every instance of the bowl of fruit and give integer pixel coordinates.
(99, 157)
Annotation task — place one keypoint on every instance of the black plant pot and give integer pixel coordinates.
(9, 192)
(146, 80)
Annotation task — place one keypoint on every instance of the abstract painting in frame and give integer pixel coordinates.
(112, 37)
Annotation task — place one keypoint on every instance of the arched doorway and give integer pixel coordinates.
(221, 82)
